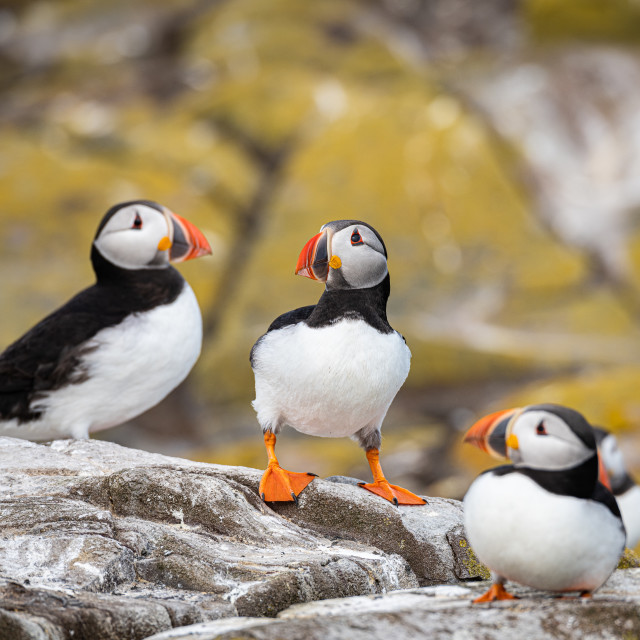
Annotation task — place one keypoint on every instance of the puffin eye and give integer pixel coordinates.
(540, 430)
(356, 238)
(137, 223)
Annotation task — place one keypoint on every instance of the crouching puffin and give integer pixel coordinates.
(623, 486)
(545, 521)
(116, 348)
(332, 369)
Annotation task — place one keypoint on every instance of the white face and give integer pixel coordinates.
(612, 457)
(545, 441)
(133, 237)
(363, 263)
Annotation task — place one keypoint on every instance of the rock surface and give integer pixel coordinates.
(100, 541)
(441, 613)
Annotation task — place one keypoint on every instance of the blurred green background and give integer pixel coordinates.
(495, 145)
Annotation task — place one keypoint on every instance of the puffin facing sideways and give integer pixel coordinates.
(116, 348)
(546, 521)
(332, 369)
(622, 485)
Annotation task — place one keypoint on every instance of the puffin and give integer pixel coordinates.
(623, 486)
(117, 347)
(545, 521)
(332, 369)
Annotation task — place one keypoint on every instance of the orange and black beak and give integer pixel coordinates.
(490, 433)
(188, 241)
(313, 261)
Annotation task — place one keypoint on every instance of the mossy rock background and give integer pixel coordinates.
(261, 121)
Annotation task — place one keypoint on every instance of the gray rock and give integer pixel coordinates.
(47, 613)
(91, 532)
(418, 534)
(441, 613)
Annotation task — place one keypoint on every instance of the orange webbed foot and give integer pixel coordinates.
(392, 493)
(381, 487)
(495, 592)
(279, 485)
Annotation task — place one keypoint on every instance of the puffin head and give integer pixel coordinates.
(346, 254)
(142, 234)
(612, 458)
(541, 436)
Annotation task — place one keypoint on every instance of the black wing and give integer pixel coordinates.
(49, 356)
(603, 495)
(286, 319)
(291, 317)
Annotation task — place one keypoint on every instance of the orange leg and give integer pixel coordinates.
(277, 484)
(496, 592)
(381, 486)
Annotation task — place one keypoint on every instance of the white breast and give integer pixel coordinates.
(540, 539)
(629, 503)
(330, 381)
(135, 365)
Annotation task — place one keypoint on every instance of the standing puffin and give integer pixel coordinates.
(546, 521)
(623, 486)
(332, 369)
(116, 348)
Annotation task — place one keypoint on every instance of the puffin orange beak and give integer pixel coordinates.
(313, 261)
(603, 475)
(188, 241)
(490, 433)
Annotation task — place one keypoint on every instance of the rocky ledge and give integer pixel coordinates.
(442, 613)
(100, 542)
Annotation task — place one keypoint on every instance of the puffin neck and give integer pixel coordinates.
(579, 481)
(369, 305)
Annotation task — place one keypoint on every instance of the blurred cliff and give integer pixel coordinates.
(494, 145)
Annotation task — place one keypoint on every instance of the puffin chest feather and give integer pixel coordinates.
(331, 380)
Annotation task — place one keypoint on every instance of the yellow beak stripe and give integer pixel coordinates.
(164, 244)
(512, 441)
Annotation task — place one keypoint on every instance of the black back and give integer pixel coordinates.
(580, 481)
(49, 356)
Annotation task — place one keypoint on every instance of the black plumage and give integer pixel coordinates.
(49, 356)
(579, 482)
(335, 305)
(369, 305)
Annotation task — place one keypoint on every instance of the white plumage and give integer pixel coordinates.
(330, 381)
(629, 503)
(526, 534)
(133, 366)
